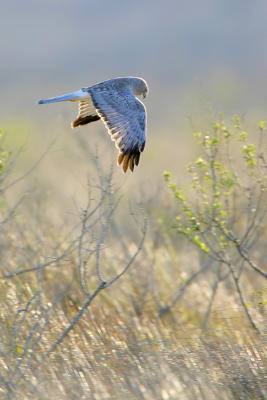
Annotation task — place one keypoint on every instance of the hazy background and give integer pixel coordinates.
(197, 57)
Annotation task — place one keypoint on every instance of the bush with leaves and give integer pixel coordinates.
(225, 213)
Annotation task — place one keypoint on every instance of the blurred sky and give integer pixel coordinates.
(53, 46)
(192, 54)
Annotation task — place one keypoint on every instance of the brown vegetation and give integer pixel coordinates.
(89, 312)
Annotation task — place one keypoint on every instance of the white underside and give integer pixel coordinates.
(74, 96)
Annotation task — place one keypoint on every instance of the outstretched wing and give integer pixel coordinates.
(87, 113)
(125, 118)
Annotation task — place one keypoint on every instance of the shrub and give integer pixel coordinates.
(224, 214)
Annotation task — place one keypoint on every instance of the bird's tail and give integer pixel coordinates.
(74, 96)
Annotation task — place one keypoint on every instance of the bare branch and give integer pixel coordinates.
(242, 301)
(182, 289)
(90, 298)
(212, 297)
(41, 266)
(133, 256)
(32, 168)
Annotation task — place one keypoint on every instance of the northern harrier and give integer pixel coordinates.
(115, 103)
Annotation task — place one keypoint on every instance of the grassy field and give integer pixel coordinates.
(115, 297)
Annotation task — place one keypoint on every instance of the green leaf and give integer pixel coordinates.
(262, 125)
(201, 244)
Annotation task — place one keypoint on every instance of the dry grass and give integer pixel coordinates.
(123, 346)
(116, 351)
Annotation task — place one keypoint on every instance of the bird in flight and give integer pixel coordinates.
(114, 102)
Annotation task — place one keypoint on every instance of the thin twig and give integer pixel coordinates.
(242, 301)
(90, 298)
(32, 168)
(40, 266)
(132, 258)
(181, 290)
(212, 297)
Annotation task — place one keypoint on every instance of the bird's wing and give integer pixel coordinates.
(125, 118)
(87, 113)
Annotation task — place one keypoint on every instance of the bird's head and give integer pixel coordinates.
(145, 92)
(140, 87)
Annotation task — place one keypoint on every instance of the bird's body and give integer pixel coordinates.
(114, 102)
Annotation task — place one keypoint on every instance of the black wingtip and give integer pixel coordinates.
(85, 120)
(129, 160)
(40, 102)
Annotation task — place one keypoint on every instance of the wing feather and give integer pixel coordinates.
(125, 118)
(87, 113)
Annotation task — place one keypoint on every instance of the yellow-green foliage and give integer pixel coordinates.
(228, 166)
